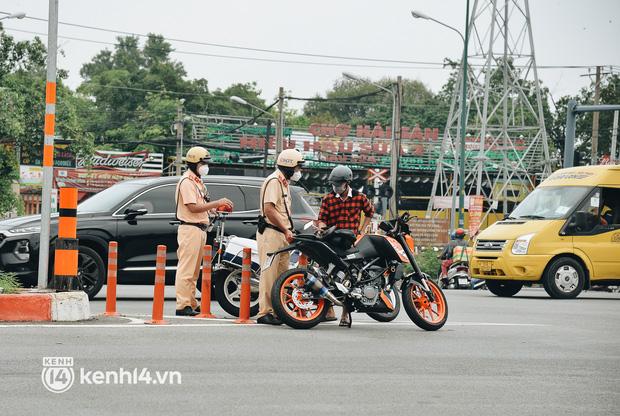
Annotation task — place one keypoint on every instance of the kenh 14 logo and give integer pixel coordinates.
(57, 375)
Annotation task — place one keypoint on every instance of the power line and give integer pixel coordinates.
(246, 58)
(435, 65)
(355, 97)
(221, 45)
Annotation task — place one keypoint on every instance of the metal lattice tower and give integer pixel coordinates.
(506, 142)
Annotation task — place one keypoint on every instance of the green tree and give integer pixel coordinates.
(420, 105)
(22, 110)
(22, 97)
(9, 173)
(135, 94)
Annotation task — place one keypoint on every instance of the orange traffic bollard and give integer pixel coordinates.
(110, 298)
(303, 260)
(66, 253)
(160, 284)
(205, 287)
(246, 274)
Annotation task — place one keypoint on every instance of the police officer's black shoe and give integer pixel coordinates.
(269, 319)
(186, 311)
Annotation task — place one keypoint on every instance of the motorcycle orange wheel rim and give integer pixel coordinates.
(433, 312)
(286, 298)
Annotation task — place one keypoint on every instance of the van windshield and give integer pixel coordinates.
(550, 202)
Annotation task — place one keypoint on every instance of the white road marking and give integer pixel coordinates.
(134, 321)
(128, 325)
(139, 323)
(189, 318)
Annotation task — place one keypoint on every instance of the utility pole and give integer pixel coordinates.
(280, 122)
(179, 129)
(595, 116)
(505, 117)
(398, 93)
(614, 138)
(464, 111)
(48, 146)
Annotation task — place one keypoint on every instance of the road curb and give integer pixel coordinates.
(56, 307)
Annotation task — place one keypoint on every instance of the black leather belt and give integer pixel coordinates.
(273, 227)
(200, 225)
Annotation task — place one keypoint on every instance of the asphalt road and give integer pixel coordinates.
(517, 356)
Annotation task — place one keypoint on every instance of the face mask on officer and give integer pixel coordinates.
(339, 188)
(203, 170)
(296, 176)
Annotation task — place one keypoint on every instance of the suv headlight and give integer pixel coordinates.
(25, 230)
(522, 243)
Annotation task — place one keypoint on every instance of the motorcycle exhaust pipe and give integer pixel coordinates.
(319, 288)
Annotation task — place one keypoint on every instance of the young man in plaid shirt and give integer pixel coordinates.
(342, 208)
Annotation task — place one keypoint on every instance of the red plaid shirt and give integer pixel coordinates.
(345, 214)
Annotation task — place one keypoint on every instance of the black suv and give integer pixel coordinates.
(118, 214)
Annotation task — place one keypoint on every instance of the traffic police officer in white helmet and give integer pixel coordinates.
(275, 228)
(192, 210)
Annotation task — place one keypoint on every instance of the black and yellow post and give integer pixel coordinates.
(66, 254)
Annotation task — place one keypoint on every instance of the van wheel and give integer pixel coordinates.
(504, 288)
(564, 278)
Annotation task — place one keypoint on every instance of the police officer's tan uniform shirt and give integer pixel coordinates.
(271, 191)
(190, 190)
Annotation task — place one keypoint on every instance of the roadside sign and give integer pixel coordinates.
(429, 232)
(380, 174)
(476, 203)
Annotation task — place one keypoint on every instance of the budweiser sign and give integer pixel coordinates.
(115, 160)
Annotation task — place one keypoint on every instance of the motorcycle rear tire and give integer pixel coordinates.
(283, 312)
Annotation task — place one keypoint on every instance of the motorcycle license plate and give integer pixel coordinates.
(463, 281)
(486, 266)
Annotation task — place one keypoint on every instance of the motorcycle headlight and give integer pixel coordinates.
(521, 244)
(25, 230)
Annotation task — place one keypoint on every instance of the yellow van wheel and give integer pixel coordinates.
(564, 278)
(504, 288)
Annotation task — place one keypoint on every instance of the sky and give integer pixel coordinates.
(565, 32)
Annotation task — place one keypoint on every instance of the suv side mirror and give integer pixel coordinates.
(134, 210)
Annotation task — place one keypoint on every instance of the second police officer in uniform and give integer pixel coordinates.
(275, 228)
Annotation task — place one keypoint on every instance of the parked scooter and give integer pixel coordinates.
(227, 261)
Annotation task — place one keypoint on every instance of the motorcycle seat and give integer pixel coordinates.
(341, 239)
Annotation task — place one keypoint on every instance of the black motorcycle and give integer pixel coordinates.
(359, 274)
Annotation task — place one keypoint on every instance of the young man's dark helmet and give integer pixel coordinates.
(340, 174)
